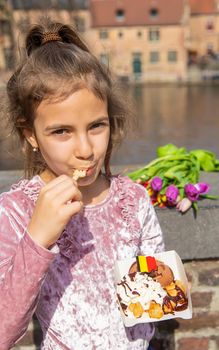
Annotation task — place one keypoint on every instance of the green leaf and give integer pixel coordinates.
(216, 165)
(181, 192)
(170, 149)
(208, 196)
(206, 159)
(195, 206)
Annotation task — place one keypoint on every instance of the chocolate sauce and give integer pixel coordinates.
(135, 292)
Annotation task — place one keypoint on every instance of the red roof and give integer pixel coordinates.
(199, 7)
(136, 12)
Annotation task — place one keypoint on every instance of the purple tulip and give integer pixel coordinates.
(202, 187)
(156, 184)
(172, 193)
(191, 192)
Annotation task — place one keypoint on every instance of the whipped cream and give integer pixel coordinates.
(139, 287)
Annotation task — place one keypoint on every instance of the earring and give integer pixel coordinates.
(35, 149)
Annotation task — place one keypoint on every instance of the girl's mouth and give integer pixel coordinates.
(80, 174)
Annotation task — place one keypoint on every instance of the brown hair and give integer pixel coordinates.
(56, 64)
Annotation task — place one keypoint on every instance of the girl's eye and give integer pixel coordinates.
(98, 125)
(60, 132)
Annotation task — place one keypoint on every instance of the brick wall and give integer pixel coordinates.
(199, 333)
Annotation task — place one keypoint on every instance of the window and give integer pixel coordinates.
(139, 34)
(79, 23)
(154, 35)
(103, 34)
(154, 12)
(8, 55)
(210, 51)
(210, 47)
(120, 15)
(210, 25)
(172, 56)
(137, 63)
(154, 56)
(5, 27)
(104, 58)
(120, 34)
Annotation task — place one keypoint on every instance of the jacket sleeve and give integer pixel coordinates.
(23, 267)
(151, 234)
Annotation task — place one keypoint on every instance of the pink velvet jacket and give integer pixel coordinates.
(71, 287)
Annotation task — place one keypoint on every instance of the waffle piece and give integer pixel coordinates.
(78, 174)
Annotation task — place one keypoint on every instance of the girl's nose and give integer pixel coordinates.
(84, 148)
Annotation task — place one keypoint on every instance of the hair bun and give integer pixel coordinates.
(52, 31)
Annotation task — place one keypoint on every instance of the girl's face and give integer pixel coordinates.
(73, 134)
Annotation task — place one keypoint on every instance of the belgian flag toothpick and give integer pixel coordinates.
(146, 263)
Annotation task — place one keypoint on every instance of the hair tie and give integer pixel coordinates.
(51, 36)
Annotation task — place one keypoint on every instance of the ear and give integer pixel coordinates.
(30, 137)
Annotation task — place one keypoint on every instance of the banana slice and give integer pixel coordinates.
(78, 174)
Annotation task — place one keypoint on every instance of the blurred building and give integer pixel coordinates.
(6, 36)
(27, 12)
(204, 29)
(143, 40)
(153, 40)
(20, 14)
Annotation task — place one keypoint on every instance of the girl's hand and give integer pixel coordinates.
(58, 201)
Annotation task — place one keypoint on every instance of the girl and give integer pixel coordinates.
(60, 237)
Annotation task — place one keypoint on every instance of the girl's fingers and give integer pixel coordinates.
(72, 208)
(53, 210)
(66, 194)
(57, 182)
(61, 189)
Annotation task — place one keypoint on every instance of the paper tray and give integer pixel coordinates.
(170, 258)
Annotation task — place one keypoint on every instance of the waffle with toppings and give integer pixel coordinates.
(150, 288)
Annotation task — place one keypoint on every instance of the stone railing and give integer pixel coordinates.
(197, 242)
